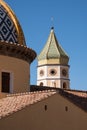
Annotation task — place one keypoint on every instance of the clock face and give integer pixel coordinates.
(53, 72)
(41, 72)
(64, 72)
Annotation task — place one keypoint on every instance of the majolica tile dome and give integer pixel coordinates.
(10, 29)
(15, 56)
(12, 39)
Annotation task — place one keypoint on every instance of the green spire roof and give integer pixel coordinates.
(52, 49)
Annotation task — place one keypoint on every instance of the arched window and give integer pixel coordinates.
(41, 84)
(64, 85)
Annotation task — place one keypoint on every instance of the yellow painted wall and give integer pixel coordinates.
(19, 71)
(35, 117)
(53, 61)
(49, 61)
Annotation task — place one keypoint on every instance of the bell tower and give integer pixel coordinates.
(53, 68)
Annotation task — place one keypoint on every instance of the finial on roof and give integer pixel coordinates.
(52, 23)
(52, 29)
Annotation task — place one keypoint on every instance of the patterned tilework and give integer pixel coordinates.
(52, 49)
(7, 28)
(16, 102)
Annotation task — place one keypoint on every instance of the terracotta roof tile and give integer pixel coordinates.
(15, 102)
(78, 93)
(79, 98)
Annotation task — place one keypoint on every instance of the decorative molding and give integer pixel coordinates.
(17, 51)
(53, 65)
(53, 78)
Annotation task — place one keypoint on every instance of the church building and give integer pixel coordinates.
(49, 105)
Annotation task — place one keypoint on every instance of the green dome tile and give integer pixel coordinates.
(52, 49)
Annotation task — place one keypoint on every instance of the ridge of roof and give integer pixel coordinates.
(15, 102)
(79, 98)
(52, 48)
(78, 93)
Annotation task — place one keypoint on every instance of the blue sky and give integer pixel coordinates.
(70, 26)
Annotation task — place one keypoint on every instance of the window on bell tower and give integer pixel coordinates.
(64, 85)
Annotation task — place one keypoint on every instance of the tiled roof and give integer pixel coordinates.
(15, 102)
(52, 48)
(78, 93)
(2, 95)
(12, 31)
(79, 98)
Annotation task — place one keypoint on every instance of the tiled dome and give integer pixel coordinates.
(53, 50)
(12, 41)
(10, 29)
